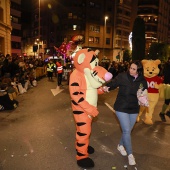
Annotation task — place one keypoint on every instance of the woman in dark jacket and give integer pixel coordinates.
(126, 104)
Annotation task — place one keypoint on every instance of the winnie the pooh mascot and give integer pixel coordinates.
(151, 71)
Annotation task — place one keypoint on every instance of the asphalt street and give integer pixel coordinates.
(40, 135)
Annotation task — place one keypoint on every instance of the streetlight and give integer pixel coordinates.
(104, 35)
(39, 27)
(39, 41)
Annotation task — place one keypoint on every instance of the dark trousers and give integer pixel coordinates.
(167, 101)
(59, 77)
(50, 75)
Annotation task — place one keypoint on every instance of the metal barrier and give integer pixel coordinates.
(40, 72)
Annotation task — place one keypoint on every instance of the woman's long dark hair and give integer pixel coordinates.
(139, 66)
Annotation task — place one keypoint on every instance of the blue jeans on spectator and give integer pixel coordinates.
(127, 122)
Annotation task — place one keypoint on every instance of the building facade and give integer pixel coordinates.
(15, 14)
(156, 14)
(5, 27)
(125, 12)
(105, 24)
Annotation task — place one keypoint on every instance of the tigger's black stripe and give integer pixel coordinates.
(78, 112)
(76, 93)
(74, 102)
(81, 99)
(95, 73)
(81, 93)
(81, 134)
(75, 84)
(80, 154)
(80, 144)
(93, 58)
(81, 123)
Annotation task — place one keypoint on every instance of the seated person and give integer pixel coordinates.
(6, 103)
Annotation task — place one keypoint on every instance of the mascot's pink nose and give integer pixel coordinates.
(108, 76)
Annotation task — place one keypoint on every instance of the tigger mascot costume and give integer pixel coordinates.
(85, 83)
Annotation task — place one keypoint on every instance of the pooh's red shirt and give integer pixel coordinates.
(151, 82)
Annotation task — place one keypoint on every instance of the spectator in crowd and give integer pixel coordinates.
(6, 103)
(12, 92)
(112, 70)
(9, 68)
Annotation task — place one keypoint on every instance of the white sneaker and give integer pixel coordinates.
(122, 150)
(131, 160)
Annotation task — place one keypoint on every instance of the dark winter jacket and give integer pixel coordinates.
(166, 73)
(126, 100)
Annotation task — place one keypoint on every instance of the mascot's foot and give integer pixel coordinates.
(162, 116)
(148, 121)
(90, 150)
(85, 163)
(138, 119)
(168, 114)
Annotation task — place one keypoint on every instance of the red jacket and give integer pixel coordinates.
(59, 67)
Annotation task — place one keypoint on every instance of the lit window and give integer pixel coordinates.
(97, 29)
(74, 27)
(70, 15)
(91, 28)
(96, 40)
(91, 39)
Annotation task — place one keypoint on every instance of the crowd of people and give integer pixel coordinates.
(17, 75)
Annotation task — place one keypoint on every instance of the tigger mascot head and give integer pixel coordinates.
(84, 85)
(86, 61)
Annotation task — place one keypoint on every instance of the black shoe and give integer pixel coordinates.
(168, 114)
(162, 116)
(90, 150)
(85, 163)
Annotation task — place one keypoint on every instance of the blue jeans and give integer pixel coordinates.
(127, 121)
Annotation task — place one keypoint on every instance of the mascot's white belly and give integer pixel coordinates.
(91, 94)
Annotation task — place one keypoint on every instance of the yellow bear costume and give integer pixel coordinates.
(151, 72)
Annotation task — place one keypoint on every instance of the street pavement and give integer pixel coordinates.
(40, 134)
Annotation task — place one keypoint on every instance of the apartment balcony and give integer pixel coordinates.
(148, 3)
(147, 12)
